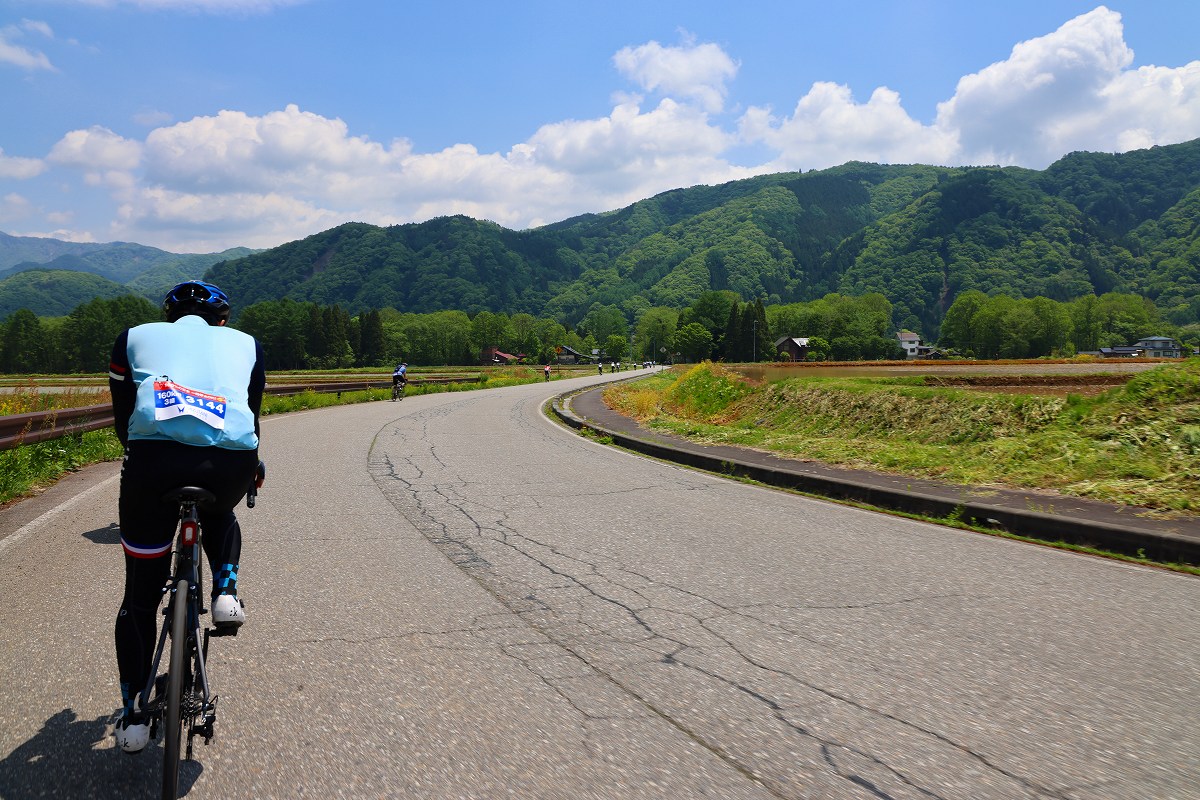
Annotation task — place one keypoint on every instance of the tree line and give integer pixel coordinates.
(998, 326)
(718, 325)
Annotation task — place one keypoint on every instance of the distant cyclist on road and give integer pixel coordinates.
(186, 395)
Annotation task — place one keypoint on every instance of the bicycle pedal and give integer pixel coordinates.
(224, 630)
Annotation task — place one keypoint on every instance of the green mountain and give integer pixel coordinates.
(447, 263)
(117, 261)
(144, 271)
(53, 292)
(1090, 223)
(766, 235)
(155, 281)
(17, 249)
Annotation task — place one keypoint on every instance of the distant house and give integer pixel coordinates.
(493, 355)
(567, 355)
(1149, 347)
(793, 348)
(911, 342)
(1160, 347)
(1120, 352)
(913, 349)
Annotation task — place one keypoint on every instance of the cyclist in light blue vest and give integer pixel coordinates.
(186, 394)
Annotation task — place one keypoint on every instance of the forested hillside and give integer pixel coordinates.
(53, 293)
(50, 277)
(1090, 224)
(35, 249)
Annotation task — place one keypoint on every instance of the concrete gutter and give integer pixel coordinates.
(1042, 516)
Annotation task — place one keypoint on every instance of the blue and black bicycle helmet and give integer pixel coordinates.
(196, 297)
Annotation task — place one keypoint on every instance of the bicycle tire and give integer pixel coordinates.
(173, 723)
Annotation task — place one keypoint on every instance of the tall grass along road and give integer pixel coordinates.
(1135, 442)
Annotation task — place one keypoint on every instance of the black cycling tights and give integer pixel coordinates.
(151, 469)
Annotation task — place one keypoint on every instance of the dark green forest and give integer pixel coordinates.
(718, 324)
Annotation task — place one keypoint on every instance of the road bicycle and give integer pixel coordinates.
(182, 701)
(398, 389)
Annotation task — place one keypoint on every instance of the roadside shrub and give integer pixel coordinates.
(705, 390)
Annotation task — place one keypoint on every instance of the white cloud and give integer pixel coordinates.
(299, 172)
(1139, 108)
(20, 56)
(17, 168)
(694, 72)
(629, 140)
(1015, 111)
(1069, 90)
(828, 128)
(96, 150)
(283, 150)
(205, 222)
(37, 26)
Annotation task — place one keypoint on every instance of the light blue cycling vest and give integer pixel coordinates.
(192, 384)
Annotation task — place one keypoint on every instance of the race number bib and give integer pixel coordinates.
(172, 400)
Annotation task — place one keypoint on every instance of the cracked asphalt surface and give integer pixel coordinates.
(452, 596)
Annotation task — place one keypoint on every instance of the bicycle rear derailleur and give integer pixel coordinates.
(205, 727)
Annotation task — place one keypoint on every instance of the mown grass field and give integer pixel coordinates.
(1136, 443)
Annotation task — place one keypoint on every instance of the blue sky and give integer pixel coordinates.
(196, 125)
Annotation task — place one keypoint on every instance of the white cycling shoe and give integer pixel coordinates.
(228, 611)
(132, 736)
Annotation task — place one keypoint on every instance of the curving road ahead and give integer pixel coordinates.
(452, 596)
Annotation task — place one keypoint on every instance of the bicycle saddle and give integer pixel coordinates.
(195, 494)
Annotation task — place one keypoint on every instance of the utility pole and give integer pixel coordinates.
(754, 340)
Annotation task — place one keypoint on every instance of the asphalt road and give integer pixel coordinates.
(451, 596)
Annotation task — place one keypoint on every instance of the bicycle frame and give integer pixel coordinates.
(188, 705)
(188, 567)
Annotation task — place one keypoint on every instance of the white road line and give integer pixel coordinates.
(28, 527)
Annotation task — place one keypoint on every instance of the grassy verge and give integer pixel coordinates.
(1137, 444)
(26, 469)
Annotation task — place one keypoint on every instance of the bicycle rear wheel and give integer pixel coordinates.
(173, 724)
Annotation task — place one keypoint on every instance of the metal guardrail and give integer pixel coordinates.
(40, 426)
